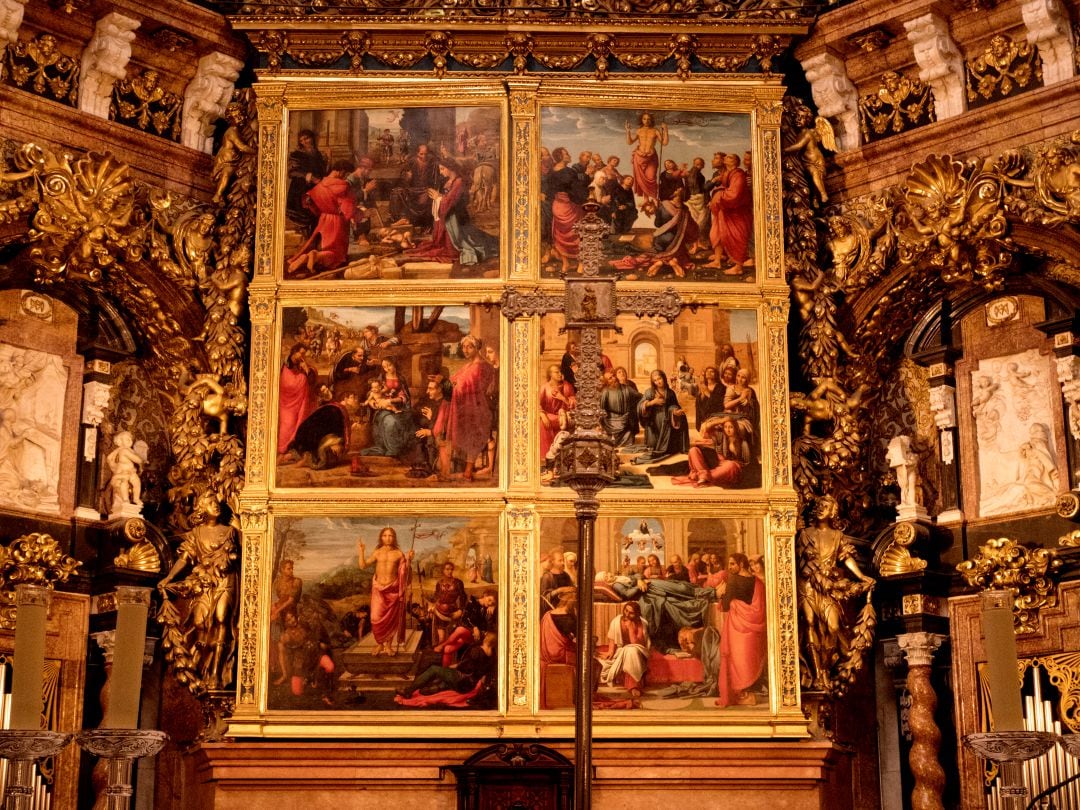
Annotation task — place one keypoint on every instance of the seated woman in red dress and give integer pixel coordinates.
(721, 464)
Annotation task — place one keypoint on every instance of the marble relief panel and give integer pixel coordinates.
(1015, 433)
(33, 388)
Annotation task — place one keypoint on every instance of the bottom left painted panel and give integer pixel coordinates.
(384, 613)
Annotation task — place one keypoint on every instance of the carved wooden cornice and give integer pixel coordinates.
(358, 45)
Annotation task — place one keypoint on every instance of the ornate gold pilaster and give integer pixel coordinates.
(253, 522)
(523, 120)
(919, 649)
(521, 521)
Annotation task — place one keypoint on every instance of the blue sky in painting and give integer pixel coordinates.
(331, 542)
(691, 134)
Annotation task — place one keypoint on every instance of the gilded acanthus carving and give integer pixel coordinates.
(1030, 572)
(898, 105)
(39, 66)
(896, 558)
(1002, 69)
(33, 559)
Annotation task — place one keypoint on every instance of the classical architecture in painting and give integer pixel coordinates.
(530, 405)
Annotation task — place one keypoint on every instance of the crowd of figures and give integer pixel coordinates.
(398, 202)
(345, 399)
(695, 220)
(438, 635)
(694, 629)
(651, 425)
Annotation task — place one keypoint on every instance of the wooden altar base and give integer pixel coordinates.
(377, 775)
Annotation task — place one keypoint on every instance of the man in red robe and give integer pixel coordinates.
(743, 637)
(732, 210)
(296, 395)
(333, 201)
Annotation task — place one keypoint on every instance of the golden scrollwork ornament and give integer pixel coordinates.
(1030, 572)
(33, 559)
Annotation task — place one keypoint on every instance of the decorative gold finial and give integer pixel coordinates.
(1028, 571)
(33, 559)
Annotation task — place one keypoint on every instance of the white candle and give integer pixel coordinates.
(30, 623)
(999, 643)
(125, 680)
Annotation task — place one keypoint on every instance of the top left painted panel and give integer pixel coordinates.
(394, 193)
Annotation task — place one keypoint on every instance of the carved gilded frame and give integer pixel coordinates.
(518, 500)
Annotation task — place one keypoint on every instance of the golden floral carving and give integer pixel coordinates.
(39, 67)
(1003, 68)
(1030, 572)
(898, 105)
(143, 103)
(33, 559)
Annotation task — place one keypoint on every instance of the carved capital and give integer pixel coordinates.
(104, 62)
(940, 63)
(205, 99)
(943, 406)
(835, 96)
(11, 17)
(1048, 28)
(919, 648)
(95, 399)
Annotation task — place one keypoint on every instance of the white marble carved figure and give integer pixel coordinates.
(32, 392)
(125, 486)
(1014, 421)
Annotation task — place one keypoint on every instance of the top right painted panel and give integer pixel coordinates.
(676, 187)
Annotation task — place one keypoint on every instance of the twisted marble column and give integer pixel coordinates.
(919, 648)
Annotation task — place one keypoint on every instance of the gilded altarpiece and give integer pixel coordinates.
(406, 540)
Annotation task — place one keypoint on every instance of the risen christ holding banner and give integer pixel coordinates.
(387, 590)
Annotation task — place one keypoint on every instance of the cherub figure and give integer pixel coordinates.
(125, 486)
(232, 150)
(809, 142)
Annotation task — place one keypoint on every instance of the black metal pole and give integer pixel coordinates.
(586, 507)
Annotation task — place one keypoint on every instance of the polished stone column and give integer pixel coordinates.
(919, 649)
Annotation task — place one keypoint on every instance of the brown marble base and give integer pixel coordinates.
(370, 776)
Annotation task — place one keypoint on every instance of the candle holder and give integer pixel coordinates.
(1009, 749)
(120, 747)
(24, 747)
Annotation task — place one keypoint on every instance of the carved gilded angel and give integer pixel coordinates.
(232, 150)
(815, 133)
